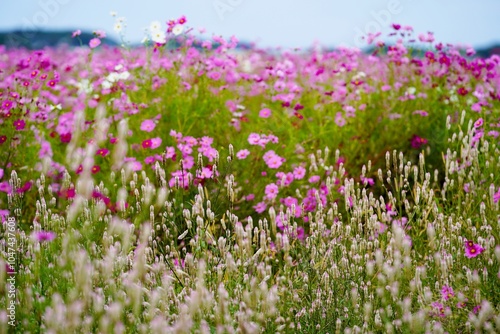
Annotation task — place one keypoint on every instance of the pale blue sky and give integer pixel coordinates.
(287, 23)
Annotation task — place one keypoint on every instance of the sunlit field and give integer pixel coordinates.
(189, 186)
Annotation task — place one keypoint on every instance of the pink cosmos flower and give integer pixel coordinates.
(299, 172)
(136, 166)
(493, 133)
(170, 152)
(1, 173)
(271, 191)
(100, 33)
(214, 75)
(476, 107)
(272, 160)
(463, 303)
(191, 141)
(422, 113)
(209, 152)
(478, 123)
(339, 120)
(265, 113)
(148, 125)
(242, 154)
(183, 179)
(206, 141)
(253, 138)
(175, 134)
(5, 187)
(149, 160)
(314, 179)
(4, 214)
(185, 149)
(288, 179)
(439, 310)
(94, 42)
(496, 196)
(45, 150)
(76, 33)
(260, 207)
(426, 38)
(289, 201)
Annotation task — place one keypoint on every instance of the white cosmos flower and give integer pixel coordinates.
(106, 84)
(155, 26)
(124, 75)
(411, 90)
(118, 27)
(113, 77)
(177, 29)
(84, 86)
(159, 37)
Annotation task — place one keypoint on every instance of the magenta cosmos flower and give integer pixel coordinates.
(42, 236)
(7, 105)
(19, 124)
(472, 249)
(102, 152)
(95, 169)
(447, 292)
(417, 142)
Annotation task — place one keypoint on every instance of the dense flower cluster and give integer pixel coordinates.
(189, 186)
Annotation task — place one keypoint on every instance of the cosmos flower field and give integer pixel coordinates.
(196, 187)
